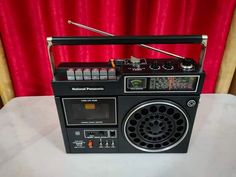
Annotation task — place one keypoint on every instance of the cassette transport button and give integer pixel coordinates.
(70, 74)
(87, 74)
(103, 74)
(111, 73)
(95, 74)
(79, 74)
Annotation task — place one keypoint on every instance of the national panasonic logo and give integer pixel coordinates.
(87, 88)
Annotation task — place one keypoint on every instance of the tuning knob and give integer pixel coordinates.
(187, 64)
(168, 66)
(154, 66)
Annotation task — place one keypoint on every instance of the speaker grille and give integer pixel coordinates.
(156, 126)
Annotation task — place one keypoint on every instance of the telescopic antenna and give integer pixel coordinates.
(109, 34)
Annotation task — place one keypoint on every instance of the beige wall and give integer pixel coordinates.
(226, 79)
(6, 90)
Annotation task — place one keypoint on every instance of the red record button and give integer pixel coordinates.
(90, 143)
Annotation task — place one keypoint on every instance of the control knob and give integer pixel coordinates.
(154, 66)
(187, 64)
(168, 66)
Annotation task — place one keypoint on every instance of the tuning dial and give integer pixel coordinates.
(168, 66)
(187, 64)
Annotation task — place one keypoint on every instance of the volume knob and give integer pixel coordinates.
(187, 64)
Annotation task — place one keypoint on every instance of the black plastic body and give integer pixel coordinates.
(125, 102)
(87, 138)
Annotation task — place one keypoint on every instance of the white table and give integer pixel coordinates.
(31, 145)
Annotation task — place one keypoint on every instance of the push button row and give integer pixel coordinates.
(91, 74)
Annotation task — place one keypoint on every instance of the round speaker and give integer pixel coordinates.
(156, 126)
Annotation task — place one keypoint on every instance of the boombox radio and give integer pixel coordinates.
(129, 105)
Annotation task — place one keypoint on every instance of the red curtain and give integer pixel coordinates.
(26, 24)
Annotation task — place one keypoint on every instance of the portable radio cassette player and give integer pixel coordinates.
(130, 105)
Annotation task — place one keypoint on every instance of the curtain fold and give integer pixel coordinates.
(26, 24)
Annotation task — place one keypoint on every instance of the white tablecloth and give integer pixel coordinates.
(31, 145)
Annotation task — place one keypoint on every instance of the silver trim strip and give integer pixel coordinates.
(50, 55)
(159, 150)
(196, 88)
(79, 98)
(203, 51)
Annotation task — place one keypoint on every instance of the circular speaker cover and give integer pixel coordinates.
(156, 126)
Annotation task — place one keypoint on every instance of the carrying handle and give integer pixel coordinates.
(104, 40)
(186, 39)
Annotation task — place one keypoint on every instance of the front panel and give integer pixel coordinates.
(132, 112)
